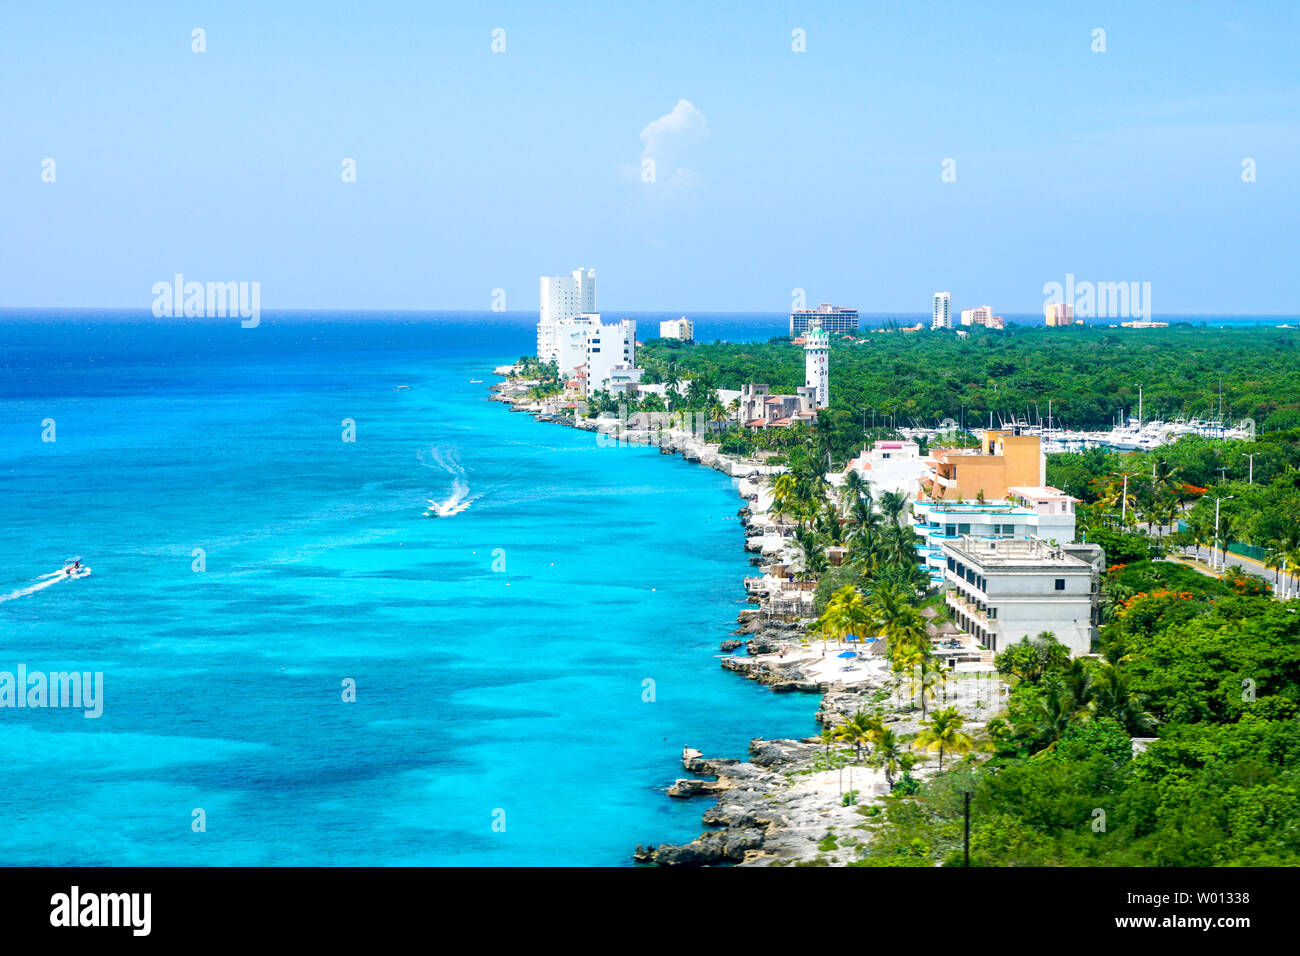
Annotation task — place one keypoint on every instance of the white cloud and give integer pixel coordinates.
(666, 142)
(673, 131)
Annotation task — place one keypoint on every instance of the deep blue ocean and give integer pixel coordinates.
(499, 656)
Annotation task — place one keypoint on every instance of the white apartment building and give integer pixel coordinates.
(681, 328)
(1026, 512)
(942, 313)
(563, 297)
(889, 466)
(1000, 590)
(982, 315)
(826, 316)
(817, 372)
(611, 347)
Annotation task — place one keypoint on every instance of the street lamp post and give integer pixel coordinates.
(1222, 556)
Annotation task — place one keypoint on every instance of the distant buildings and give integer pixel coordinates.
(817, 351)
(828, 317)
(942, 313)
(1141, 324)
(563, 297)
(1059, 313)
(982, 315)
(677, 329)
(1000, 590)
(1004, 460)
(759, 408)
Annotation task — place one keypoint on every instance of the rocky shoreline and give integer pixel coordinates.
(786, 804)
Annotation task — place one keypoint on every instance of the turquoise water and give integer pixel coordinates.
(482, 694)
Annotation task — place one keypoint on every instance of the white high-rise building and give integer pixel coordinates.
(816, 352)
(563, 297)
(942, 311)
(609, 347)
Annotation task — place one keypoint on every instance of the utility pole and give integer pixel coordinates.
(1223, 473)
(1124, 496)
(1139, 404)
(966, 841)
(1223, 562)
(1251, 479)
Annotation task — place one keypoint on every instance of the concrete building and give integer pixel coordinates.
(1004, 460)
(941, 317)
(982, 315)
(889, 466)
(681, 328)
(563, 297)
(609, 347)
(817, 370)
(1058, 313)
(584, 341)
(1031, 512)
(759, 408)
(827, 317)
(1000, 590)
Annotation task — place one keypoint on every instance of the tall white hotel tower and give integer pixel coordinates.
(816, 360)
(942, 311)
(563, 297)
(943, 318)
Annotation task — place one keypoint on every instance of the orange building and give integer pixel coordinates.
(1005, 459)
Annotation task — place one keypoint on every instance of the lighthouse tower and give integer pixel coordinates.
(816, 353)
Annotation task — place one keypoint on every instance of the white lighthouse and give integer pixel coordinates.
(817, 372)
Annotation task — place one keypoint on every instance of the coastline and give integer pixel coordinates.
(792, 801)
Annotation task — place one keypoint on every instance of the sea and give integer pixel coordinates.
(299, 667)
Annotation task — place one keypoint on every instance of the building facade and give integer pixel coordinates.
(828, 317)
(759, 408)
(1031, 512)
(681, 328)
(1004, 460)
(1058, 313)
(563, 297)
(1000, 590)
(817, 371)
(941, 314)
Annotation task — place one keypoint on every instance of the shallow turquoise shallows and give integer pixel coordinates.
(502, 657)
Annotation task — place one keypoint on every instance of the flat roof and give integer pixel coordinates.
(1042, 492)
(1013, 553)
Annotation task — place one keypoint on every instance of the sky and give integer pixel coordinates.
(982, 149)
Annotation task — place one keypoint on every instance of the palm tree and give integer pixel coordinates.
(1053, 713)
(1114, 698)
(889, 753)
(1162, 477)
(926, 672)
(944, 733)
(859, 730)
(893, 503)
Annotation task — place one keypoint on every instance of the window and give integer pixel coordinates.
(993, 613)
(963, 529)
(1060, 584)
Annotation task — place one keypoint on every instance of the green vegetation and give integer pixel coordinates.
(1216, 675)
(1089, 373)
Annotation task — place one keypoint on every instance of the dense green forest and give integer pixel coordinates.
(1210, 667)
(1089, 373)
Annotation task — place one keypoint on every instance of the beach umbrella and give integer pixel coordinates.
(848, 654)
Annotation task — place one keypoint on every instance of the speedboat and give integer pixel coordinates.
(76, 569)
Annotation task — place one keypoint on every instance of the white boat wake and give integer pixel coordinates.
(48, 580)
(459, 499)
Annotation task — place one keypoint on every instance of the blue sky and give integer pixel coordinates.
(818, 170)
